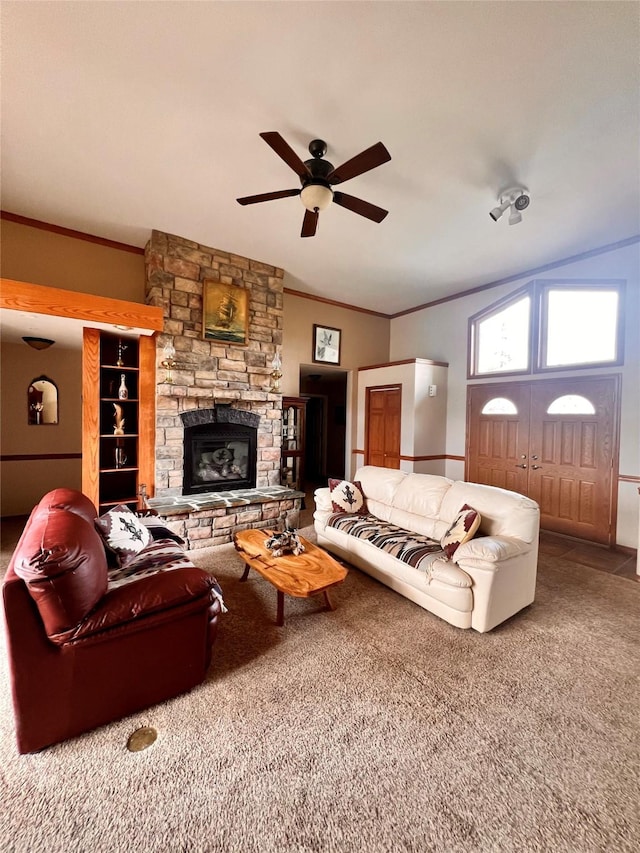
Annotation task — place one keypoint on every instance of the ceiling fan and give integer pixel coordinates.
(318, 176)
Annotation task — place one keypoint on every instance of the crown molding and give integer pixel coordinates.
(125, 247)
(336, 303)
(69, 232)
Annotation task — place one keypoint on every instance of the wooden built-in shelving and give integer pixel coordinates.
(107, 480)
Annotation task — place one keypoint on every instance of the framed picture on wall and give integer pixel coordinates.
(225, 313)
(326, 345)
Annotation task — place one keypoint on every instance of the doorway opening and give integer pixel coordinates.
(325, 390)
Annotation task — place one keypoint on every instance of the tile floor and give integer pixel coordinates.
(584, 554)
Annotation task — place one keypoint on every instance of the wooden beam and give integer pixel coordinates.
(56, 302)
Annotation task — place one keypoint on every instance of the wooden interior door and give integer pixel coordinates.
(565, 462)
(572, 458)
(383, 421)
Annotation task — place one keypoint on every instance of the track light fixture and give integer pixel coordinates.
(497, 212)
(516, 198)
(515, 216)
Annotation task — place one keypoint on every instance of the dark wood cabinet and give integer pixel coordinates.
(294, 411)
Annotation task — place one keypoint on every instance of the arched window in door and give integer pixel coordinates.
(499, 406)
(571, 404)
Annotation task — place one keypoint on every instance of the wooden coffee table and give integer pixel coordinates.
(310, 573)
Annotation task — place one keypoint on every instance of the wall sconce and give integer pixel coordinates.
(276, 374)
(169, 361)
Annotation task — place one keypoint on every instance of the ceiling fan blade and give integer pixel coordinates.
(309, 223)
(363, 162)
(254, 199)
(357, 205)
(286, 152)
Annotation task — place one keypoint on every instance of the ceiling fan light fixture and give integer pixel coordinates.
(38, 343)
(316, 197)
(318, 176)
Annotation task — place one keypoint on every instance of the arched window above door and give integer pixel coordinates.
(571, 404)
(499, 406)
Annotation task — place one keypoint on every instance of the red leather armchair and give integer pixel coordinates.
(82, 654)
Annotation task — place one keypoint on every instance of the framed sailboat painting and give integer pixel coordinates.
(225, 312)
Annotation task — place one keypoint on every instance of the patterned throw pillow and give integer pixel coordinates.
(123, 533)
(347, 497)
(463, 528)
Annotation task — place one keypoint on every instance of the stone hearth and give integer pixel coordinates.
(213, 518)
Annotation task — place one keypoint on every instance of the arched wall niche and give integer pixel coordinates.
(42, 402)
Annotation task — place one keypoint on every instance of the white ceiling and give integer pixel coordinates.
(120, 117)
(66, 332)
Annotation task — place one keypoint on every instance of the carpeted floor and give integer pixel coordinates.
(376, 727)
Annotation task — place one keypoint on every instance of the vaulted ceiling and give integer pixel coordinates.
(121, 117)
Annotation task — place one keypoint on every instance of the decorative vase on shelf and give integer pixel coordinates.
(118, 425)
(123, 393)
(121, 348)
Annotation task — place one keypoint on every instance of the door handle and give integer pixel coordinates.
(535, 467)
(524, 466)
(534, 457)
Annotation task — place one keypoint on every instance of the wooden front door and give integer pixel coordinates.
(572, 457)
(558, 446)
(499, 439)
(383, 419)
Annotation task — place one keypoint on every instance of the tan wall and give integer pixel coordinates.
(24, 482)
(365, 337)
(44, 257)
(365, 341)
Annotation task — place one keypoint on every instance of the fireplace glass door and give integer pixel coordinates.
(219, 457)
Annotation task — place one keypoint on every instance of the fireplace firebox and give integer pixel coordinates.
(219, 457)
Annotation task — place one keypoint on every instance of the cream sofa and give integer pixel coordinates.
(488, 579)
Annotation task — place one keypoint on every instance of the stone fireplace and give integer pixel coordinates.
(218, 426)
(219, 450)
